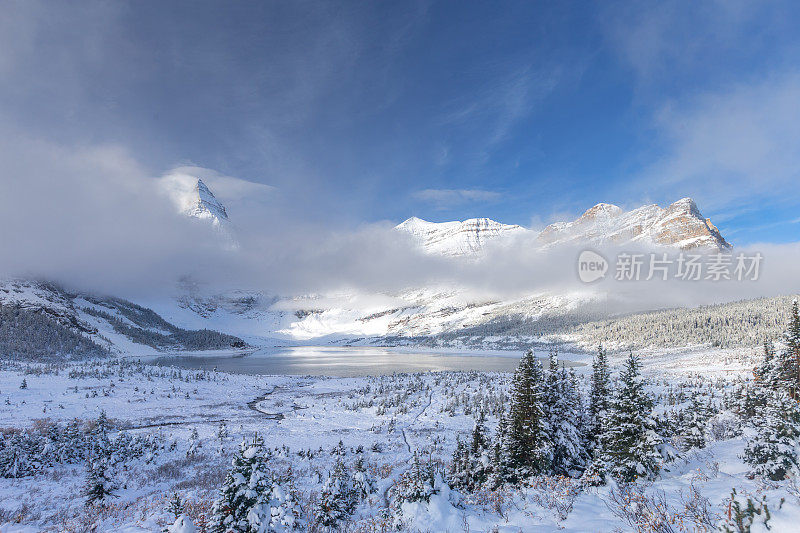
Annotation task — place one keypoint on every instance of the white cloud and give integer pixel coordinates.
(733, 147)
(179, 183)
(491, 113)
(662, 40)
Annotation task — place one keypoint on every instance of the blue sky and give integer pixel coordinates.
(359, 112)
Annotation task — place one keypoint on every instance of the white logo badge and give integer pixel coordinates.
(591, 266)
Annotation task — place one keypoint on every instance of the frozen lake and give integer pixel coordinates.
(340, 361)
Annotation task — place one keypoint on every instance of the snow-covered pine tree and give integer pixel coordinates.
(99, 443)
(276, 510)
(629, 440)
(363, 483)
(98, 486)
(194, 443)
(500, 463)
(245, 482)
(339, 498)
(763, 371)
(772, 452)
(417, 484)
(71, 445)
(784, 372)
(792, 358)
(479, 464)
(14, 460)
(175, 505)
(526, 447)
(565, 415)
(458, 475)
(772, 407)
(696, 422)
(599, 396)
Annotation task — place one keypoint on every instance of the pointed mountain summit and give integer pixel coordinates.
(204, 205)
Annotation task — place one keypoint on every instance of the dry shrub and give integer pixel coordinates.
(557, 493)
(652, 513)
(496, 501)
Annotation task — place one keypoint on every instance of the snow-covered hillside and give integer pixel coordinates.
(112, 324)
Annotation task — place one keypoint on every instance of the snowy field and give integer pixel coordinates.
(193, 422)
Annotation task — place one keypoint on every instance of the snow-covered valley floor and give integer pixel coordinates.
(196, 420)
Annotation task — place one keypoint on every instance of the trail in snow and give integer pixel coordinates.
(408, 447)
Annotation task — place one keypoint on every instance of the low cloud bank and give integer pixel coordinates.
(95, 219)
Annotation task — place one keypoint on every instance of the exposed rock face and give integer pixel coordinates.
(680, 225)
(457, 238)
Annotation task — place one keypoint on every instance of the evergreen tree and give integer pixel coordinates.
(363, 483)
(479, 463)
(99, 443)
(500, 465)
(417, 484)
(98, 485)
(565, 413)
(276, 511)
(695, 423)
(526, 448)
(459, 467)
(339, 498)
(764, 370)
(246, 481)
(471, 465)
(629, 440)
(772, 452)
(175, 505)
(598, 396)
(791, 360)
(222, 432)
(783, 374)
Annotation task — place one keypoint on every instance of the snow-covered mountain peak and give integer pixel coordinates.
(601, 212)
(456, 237)
(679, 225)
(204, 205)
(192, 197)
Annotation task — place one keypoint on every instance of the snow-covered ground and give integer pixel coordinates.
(384, 419)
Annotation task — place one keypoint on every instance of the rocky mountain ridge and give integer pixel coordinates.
(679, 225)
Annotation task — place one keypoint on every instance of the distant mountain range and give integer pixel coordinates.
(439, 315)
(679, 225)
